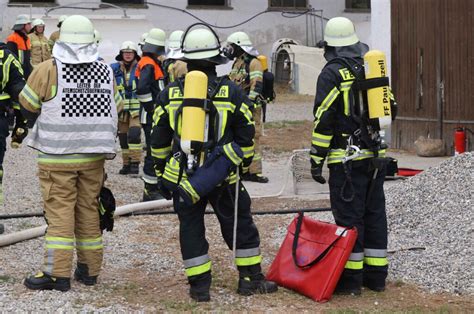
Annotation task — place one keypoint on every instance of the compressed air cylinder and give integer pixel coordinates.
(378, 98)
(263, 61)
(193, 125)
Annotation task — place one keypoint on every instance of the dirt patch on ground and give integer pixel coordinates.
(286, 136)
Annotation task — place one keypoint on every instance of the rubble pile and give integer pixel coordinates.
(431, 227)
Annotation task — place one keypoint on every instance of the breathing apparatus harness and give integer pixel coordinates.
(367, 132)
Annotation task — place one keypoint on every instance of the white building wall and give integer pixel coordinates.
(381, 29)
(264, 29)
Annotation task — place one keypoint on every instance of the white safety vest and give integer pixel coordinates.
(82, 117)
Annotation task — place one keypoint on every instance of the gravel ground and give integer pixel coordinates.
(434, 211)
(143, 270)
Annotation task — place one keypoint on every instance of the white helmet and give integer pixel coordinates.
(142, 39)
(340, 32)
(173, 45)
(61, 20)
(20, 21)
(127, 46)
(202, 44)
(156, 37)
(77, 29)
(37, 22)
(155, 41)
(242, 40)
(97, 36)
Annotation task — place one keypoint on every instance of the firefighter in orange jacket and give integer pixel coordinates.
(151, 81)
(19, 43)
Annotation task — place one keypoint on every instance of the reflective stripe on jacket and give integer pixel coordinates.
(82, 117)
(127, 86)
(232, 121)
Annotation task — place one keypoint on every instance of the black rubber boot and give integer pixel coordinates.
(125, 169)
(350, 283)
(252, 281)
(134, 168)
(256, 284)
(42, 281)
(151, 193)
(81, 274)
(200, 286)
(254, 177)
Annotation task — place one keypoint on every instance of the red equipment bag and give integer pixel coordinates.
(312, 257)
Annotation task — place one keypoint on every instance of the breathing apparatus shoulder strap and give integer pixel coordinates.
(359, 84)
(213, 89)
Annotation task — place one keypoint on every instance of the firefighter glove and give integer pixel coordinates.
(20, 131)
(316, 173)
(163, 190)
(106, 209)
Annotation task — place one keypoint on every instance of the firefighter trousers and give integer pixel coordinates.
(368, 262)
(129, 133)
(194, 246)
(71, 212)
(256, 165)
(149, 175)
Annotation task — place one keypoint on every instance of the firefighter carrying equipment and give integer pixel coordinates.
(204, 173)
(378, 93)
(195, 120)
(107, 208)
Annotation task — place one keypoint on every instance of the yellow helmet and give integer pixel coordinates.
(340, 32)
(77, 29)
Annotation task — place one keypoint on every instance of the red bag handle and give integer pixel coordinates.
(299, 222)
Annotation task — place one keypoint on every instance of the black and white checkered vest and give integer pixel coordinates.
(82, 117)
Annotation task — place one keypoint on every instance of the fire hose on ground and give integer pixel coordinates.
(32, 233)
(23, 235)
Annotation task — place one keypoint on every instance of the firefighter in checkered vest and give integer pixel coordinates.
(73, 99)
(129, 120)
(247, 72)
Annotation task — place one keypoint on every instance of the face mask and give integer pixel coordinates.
(228, 51)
